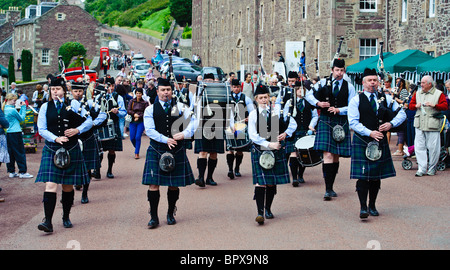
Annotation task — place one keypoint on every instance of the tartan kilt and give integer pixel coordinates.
(324, 137)
(290, 143)
(364, 169)
(278, 175)
(91, 153)
(76, 174)
(211, 146)
(182, 174)
(188, 144)
(115, 144)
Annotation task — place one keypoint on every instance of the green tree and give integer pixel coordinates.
(11, 73)
(181, 11)
(70, 49)
(27, 61)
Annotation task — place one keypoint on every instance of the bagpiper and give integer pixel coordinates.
(62, 160)
(371, 118)
(268, 156)
(166, 162)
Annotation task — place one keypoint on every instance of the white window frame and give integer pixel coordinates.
(45, 56)
(261, 16)
(432, 9)
(369, 48)
(368, 9)
(404, 10)
(288, 10)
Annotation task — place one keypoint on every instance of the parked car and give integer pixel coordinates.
(217, 71)
(140, 70)
(134, 62)
(163, 68)
(189, 72)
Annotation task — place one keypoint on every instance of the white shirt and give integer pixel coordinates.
(252, 128)
(353, 114)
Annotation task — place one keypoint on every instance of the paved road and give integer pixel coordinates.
(414, 213)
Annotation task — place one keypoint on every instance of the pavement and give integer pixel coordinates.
(414, 212)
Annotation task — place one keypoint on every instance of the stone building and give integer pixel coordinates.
(44, 34)
(231, 33)
(7, 20)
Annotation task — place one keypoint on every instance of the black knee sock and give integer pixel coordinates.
(85, 190)
(201, 165)
(230, 160)
(49, 201)
(335, 169)
(294, 164)
(172, 198)
(301, 170)
(111, 160)
(374, 187)
(327, 169)
(362, 187)
(238, 161)
(212, 163)
(259, 197)
(153, 198)
(67, 201)
(270, 194)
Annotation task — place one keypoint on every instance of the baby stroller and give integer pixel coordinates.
(441, 165)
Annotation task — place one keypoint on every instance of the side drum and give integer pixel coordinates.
(238, 139)
(305, 153)
(107, 132)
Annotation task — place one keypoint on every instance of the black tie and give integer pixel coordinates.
(58, 106)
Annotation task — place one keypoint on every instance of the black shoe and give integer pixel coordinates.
(153, 223)
(295, 183)
(327, 196)
(45, 226)
(200, 182)
(109, 175)
(67, 223)
(211, 182)
(84, 199)
(96, 174)
(269, 214)
(333, 194)
(373, 211)
(363, 214)
(171, 219)
(301, 180)
(231, 174)
(260, 219)
(237, 173)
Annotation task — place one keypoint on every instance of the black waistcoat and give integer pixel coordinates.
(110, 106)
(164, 121)
(58, 123)
(240, 102)
(325, 94)
(303, 118)
(262, 121)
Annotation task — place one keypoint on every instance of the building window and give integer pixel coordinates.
(288, 10)
(404, 10)
(45, 57)
(368, 5)
(60, 16)
(261, 22)
(304, 8)
(432, 8)
(367, 48)
(317, 8)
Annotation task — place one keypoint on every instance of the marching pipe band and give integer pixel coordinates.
(300, 110)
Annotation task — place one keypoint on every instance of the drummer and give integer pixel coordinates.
(306, 118)
(264, 132)
(60, 127)
(333, 133)
(242, 106)
(91, 150)
(205, 147)
(186, 97)
(159, 121)
(115, 108)
(364, 113)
